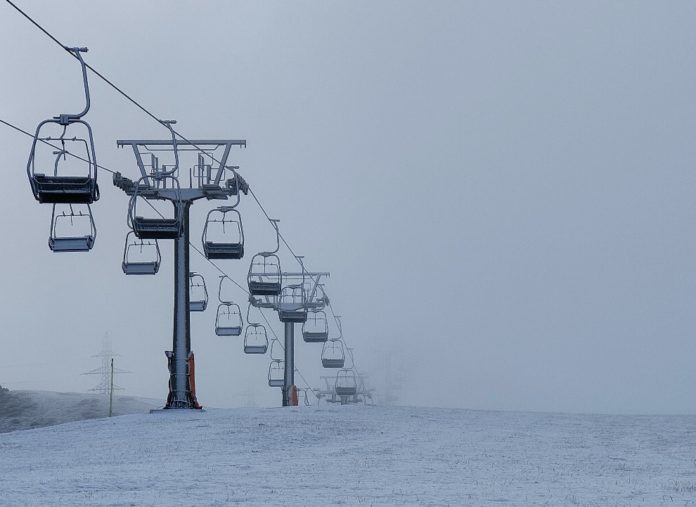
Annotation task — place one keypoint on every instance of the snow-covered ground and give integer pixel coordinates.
(354, 455)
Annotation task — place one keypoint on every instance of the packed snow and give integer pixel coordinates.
(353, 455)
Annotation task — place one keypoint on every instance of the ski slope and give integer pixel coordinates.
(353, 455)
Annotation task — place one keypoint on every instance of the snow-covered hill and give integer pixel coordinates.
(20, 410)
(354, 455)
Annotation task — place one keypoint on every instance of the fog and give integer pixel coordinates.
(502, 192)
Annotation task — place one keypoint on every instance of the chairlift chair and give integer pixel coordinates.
(276, 373)
(224, 295)
(58, 187)
(351, 358)
(291, 304)
(277, 350)
(155, 227)
(320, 299)
(265, 277)
(72, 231)
(152, 186)
(255, 339)
(316, 328)
(255, 336)
(228, 321)
(346, 383)
(140, 256)
(333, 354)
(223, 234)
(198, 293)
(314, 294)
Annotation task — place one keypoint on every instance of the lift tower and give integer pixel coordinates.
(301, 292)
(207, 181)
(292, 306)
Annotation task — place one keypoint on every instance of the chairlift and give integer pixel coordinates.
(316, 328)
(319, 298)
(228, 321)
(166, 184)
(350, 357)
(346, 383)
(60, 187)
(291, 304)
(223, 235)
(314, 292)
(156, 227)
(276, 373)
(72, 231)
(140, 256)
(333, 354)
(198, 293)
(255, 337)
(277, 350)
(223, 294)
(265, 277)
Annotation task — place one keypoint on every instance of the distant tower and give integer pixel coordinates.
(249, 397)
(104, 371)
(392, 382)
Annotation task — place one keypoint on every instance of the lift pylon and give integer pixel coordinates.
(209, 181)
(306, 295)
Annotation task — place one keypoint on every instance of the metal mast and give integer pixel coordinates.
(290, 312)
(104, 371)
(205, 181)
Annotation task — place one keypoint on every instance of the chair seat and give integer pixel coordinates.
(65, 189)
(257, 288)
(223, 250)
(140, 268)
(315, 336)
(292, 316)
(156, 228)
(255, 349)
(333, 363)
(346, 391)
(228, 331)
(198, 306)
(74, 244)
(275, 383)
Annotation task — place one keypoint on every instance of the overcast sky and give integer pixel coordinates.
(502, 191)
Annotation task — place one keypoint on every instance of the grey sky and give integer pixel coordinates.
(502, 192)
